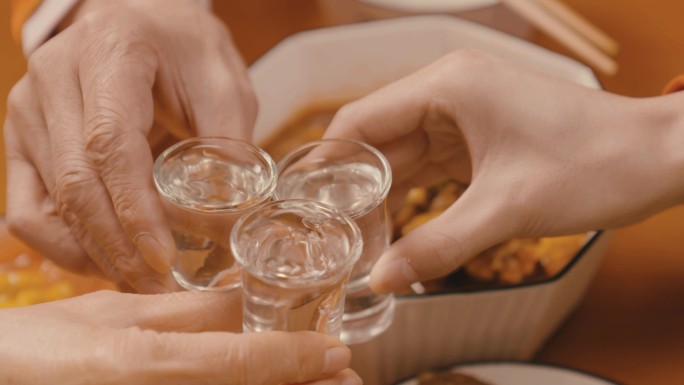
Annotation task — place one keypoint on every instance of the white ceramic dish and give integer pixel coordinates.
(431, 6)
(342, 63)
(517, 373)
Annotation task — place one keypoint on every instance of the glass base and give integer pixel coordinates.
(226, 284)
(369, 322)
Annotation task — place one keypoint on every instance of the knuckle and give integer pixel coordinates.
(444, 249)
(127, 204)
(218, 31)
(244, 376)
(296, 366)
(243, 356)
(119, 353)
(129, 266)
(20, 223)
(18, 96)
(462, 67)
(73, 187)
(113, 40)
(38, 62)
(347, 117)
(105, 136)
(346, 113)
(249, 97)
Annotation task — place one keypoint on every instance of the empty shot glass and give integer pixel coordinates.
(296, 257)
(206, 184)
(355, 178)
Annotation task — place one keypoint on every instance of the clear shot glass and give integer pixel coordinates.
(206, 184)
(355, 178)
(296, 257)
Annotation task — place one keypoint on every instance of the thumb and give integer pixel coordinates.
(280, 357)
(475, 222)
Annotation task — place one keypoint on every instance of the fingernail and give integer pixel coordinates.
(152, 252)
(336, 359)
(393, 276)
(352, 380)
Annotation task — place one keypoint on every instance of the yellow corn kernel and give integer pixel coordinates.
(480, 268)
(446, 197)
(7, 303)
(511, 272)
(59, 290)
(32, 296)
(4, 283)
(417, 196)
(403, 216)
(555, 253)
(25, 278)
(27, 297)
(419, 220)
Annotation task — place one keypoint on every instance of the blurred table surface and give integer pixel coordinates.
(630, 326)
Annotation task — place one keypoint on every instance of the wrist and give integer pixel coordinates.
(663, 126)
(672, 119)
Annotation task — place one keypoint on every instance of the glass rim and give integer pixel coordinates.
(356, 247)
(386, 169)
(260, 154)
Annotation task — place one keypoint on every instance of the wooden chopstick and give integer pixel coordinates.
(538, 16)
(580, 24)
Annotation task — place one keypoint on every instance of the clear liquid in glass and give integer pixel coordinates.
(352, 188)
(203, 183)
(294, 273)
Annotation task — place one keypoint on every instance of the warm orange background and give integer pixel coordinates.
(630, 327)
(12, 66)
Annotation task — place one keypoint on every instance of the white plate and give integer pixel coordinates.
(513, 373)
(431, 6)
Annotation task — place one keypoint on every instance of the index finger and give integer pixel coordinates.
(118, 115)
(390, 113)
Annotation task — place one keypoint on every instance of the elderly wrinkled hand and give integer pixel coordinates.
(542, 157)
(176, 338)
(98, 100)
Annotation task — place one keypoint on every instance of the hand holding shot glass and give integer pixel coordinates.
(355, 178)
(296, 257)
(296, 253)
(206, 185)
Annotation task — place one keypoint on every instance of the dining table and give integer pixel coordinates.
(629, 327)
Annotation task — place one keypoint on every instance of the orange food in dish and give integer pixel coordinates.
(26, 278)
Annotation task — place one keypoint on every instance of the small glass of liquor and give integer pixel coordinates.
(355, 178)
(206, 184)
(296, 256)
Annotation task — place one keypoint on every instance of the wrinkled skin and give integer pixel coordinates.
(123, 80)
(543, 157)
